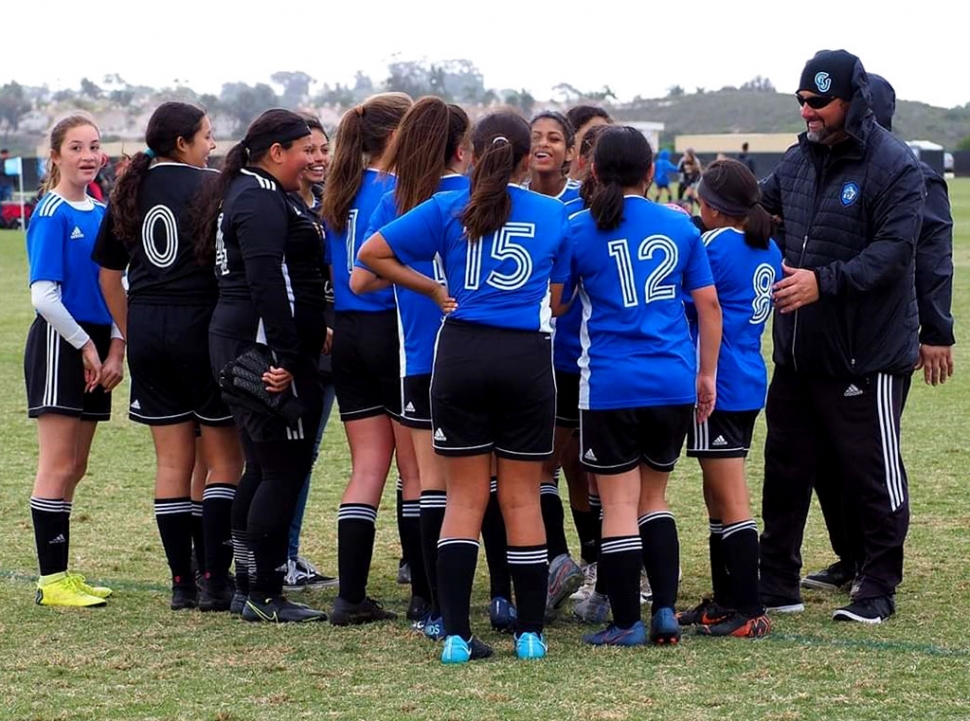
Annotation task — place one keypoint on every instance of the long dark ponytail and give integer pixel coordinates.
(500, 141)
(730, 188)
(621, 159)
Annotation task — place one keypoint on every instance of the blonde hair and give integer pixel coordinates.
(58, 133)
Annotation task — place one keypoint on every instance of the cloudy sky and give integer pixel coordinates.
(637, 48)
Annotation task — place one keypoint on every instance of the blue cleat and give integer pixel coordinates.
(613, 635)
(434, 627)
(665, 628)
(458, 650)
(502, 615)
(529, 645)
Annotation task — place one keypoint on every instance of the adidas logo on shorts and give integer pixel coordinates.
(76, 234)
(852, 391)
(590, 456)
(439, 436)
(135, 405)
(409, 408)
(719, 441)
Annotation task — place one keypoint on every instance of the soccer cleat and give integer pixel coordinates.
(61, 589)
(346, 613)
(613, 635)
(780, 604)
(458, 650)
(646, 592)
(214, 598)
(867, 610)
(664, 628)
(237, 604)
(433, 627)
(837, 577)
(530, 645)
(418, 608)
(276, 609)
(589, 585)
(96, 591)
(565, 577)
(706, 613)
(502, 615)
(301, 575)
(734, 624)
(403, 573)
(184, 595)
(595, 609)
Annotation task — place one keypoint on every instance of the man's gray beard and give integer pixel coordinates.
(818, 136)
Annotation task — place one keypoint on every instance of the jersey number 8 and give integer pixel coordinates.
(503, 248)
(653, 288)
(763, 279)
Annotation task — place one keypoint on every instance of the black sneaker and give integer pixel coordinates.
(216, 597)
(276, 609)
(418, 608)
(184, 595)
(346, 613)
(739, 626)
(782, 604)
(706, 613)
(837, 577)
(237, 604)
(867, 610)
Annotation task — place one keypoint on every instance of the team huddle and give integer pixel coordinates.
(493, 306)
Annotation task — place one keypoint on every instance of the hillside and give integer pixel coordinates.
(739, 111)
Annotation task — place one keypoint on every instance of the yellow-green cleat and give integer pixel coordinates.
(61, 589)
(96, 591)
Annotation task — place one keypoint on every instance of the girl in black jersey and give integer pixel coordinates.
(165, 318)
(265, 340)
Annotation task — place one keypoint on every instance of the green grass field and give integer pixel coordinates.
(136, 659)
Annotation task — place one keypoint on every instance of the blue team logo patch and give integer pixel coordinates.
(850, 194)
(823, 82)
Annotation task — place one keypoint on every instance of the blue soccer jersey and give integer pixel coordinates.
(343, 247)
(744, 277)
(418, 316)
(501, 280)
(568, 194)
(636, 345)
(566, 347)
(60, 239)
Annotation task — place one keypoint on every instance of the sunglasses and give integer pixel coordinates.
(815, 102)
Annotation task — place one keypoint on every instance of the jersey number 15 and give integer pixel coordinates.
(503, 248)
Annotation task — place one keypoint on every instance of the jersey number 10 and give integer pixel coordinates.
(654, 288)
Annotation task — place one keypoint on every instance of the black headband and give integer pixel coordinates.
(722, 204)
(291, 130)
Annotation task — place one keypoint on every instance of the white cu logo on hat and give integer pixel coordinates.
(823, 82)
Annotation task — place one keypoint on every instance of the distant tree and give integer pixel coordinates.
(63, 95)
(340, 95)
(675, 91)
(759, 85)
(599, 95)
(296, 87)
(521, 99)
(243, 103)
(210, 102)
(89, 89)
(13, 106)
(122, 97)
(699, 90)
(363, 84)
(463, 81)
(567, 93)
(964, 144)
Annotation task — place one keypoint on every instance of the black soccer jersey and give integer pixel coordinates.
(161, 264)
(269, 265)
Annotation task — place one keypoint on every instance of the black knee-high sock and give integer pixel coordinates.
(399, 508)
(174, 519)
(217, 499)
(66, 510)
(411, 534)
(620, 560)
(432, 515)
(719, 577)
(493, 534)
(457, 558)
(355, 548)
(48, 518)
(553, 519)
(585, 520)
(529, 567)
(741, 560)
(198, 535)
(661, 556)
(596, 508)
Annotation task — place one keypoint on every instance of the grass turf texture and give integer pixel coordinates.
(136, 659)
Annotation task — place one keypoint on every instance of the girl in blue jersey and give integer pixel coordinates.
(745, 263)
(492, 388)
(165, 317)
(365, 349)
(428, 155)
(73, 356)
(553, 147)
(634, 261)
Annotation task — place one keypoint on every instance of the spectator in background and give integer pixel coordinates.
(6, 186)
(745, 158)
(689, 168)
(662, 169)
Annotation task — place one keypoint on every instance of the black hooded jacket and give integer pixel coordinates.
(852, 213)
(934, 247)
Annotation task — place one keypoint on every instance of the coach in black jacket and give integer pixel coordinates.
(845, 331)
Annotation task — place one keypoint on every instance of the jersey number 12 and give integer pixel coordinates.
(654, 288)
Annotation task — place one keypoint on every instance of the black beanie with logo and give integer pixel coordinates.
(829, 73)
